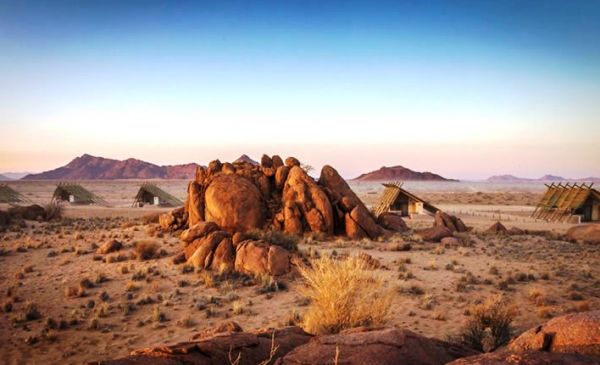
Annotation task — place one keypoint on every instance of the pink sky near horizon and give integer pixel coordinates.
(451, 160)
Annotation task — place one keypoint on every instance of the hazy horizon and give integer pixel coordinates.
(465, 89)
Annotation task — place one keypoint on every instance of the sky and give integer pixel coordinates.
(466, 89)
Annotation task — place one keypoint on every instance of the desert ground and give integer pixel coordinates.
(64, 303)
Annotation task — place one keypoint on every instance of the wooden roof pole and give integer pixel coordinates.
(550, 206)
(543, 203)
(563, 201)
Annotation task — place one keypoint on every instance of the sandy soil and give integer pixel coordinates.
(154, 301)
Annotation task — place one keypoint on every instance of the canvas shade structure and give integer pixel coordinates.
(76, 194)
(394, 197)
(152, 194)
(561, 201)
(11, 196)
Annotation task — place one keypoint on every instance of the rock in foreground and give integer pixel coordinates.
(586, 232)
(526, 358)
(252, 348)
(572, 333)
(380, 347)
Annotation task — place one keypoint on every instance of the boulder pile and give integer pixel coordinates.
(453, 223)
(225, 200)
(444, 225)
(208, 247)
(277, 195)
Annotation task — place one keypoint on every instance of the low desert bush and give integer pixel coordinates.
(237, 307)
(343, 294)
(413, 289)
(490, 325)
(53, 211)
(538, 296)
(30, 313)
(158, 315)
(185, 321)
(146, 250)
(267, 284)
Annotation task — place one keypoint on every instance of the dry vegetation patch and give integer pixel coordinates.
(343, 294)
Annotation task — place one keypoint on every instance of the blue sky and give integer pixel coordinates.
(463, 88)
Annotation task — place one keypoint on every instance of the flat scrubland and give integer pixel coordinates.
(64, 303)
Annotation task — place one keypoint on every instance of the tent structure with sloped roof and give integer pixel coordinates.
(562, 202)
(152, 194)
(11, 196)
(76, 194)
(396, 199)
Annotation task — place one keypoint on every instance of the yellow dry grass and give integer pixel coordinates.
(343, 294)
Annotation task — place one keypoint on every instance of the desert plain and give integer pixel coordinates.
(62, 302)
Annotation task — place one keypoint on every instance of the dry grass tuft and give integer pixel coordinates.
(490, 325)
(53, 211)
(538, 297)
(343, 294)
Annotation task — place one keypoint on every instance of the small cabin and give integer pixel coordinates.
(151, 194)
(397, 200)
(569, 202)
(76, 194)
(11, 196)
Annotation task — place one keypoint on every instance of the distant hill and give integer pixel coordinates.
(246, 158)
(15, 175)
(4, 178)
(545, 178)
(400, 173)
(87, 167)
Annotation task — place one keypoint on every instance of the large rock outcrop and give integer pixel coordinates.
(585, 232)
(281, 196)
(385, 346)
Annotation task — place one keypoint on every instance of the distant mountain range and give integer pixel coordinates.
(400, 173)
(15, 175)
(545, 178)
(4, 178)
(87, 167)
